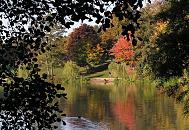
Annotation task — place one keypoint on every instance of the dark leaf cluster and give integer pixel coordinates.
(30, 104)
(173, 54)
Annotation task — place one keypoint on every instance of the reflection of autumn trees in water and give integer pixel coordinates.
(142, 108)
(132, 107)
(124, 111)
(83, 101)
(94, 105)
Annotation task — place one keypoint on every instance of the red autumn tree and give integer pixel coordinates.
(122, 50)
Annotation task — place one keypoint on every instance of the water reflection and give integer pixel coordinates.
(130, 107)
(124, 110)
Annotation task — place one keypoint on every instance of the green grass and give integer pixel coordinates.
(101, 74)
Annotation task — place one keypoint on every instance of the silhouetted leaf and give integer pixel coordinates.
(63, 122)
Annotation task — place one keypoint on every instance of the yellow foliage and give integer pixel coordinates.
(161, 26)
(95, 53)
(114, 32)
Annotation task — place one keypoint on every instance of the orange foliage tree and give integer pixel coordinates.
(122, 50)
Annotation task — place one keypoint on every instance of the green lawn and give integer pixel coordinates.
(101, 74)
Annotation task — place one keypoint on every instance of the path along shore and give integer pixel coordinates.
(102, 81)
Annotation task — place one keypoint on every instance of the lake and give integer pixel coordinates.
(137, 106)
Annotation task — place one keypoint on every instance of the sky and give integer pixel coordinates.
(77, 24)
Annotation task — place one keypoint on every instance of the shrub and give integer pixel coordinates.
(70, 71)
(118, 70)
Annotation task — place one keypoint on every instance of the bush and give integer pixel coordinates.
(70, 71)
(145, 71)
(171, 82)
(118, 70)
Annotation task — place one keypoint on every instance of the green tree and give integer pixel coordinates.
(147, 36)
(166, 50)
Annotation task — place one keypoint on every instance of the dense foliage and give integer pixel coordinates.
(111, 35)
(70, 71)
(122, 50)
(166, 52)
(80, 42)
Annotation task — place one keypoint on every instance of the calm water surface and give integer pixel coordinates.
(123, 107)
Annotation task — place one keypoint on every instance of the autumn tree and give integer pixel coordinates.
(80, 42)
(122, 50)
(95, 55)
(111, 35)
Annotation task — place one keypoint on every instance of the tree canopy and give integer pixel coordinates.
(80, 42)
(165, 37)
(122, 50)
